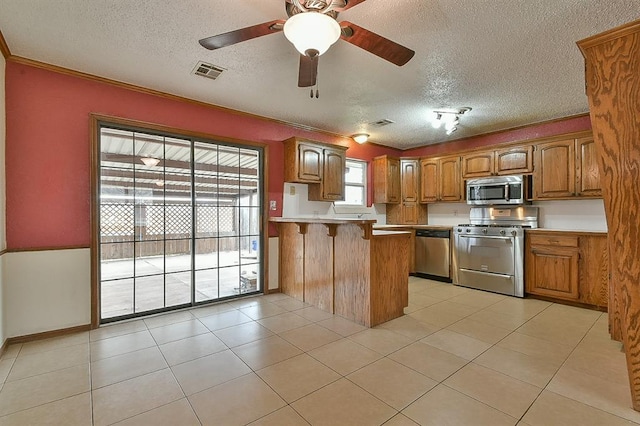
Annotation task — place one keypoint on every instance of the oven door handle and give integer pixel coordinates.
(493, 274)
(506, 192)
(486, 236)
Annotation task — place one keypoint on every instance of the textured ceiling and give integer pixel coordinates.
(514, 62)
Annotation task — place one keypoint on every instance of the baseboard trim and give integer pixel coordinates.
(567, 302)
(4, 347)
(46, 335)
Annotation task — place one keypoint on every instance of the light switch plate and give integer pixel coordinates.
(273, 205)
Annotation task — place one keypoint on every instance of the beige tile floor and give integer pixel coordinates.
(460, 357)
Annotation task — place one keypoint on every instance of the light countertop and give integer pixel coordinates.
(565, 231)
(381, 233)
(334, 220)
(412, 227)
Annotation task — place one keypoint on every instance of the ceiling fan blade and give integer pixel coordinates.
(349, 5)
(308, 73)
(376, 44)
(243, 34)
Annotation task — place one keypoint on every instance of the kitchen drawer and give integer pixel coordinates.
(554, 240)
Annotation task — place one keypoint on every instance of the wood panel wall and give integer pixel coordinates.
(389, 289)
(612, 65)
(353, 272)
(594, 270)
(291, 260)
(318, 267)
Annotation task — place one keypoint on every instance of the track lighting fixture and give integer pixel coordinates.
(449, 118)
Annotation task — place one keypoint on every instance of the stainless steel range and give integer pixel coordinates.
(488, 253)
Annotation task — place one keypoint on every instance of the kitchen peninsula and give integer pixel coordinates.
(345, 267)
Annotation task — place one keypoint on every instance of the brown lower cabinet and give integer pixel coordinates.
(568, 266)
(346, 268)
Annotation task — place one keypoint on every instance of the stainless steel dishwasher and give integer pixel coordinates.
(433, 254)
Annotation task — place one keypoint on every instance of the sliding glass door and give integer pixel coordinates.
(179, 222)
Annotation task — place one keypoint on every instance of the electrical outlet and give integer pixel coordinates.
(292, 190)
(273, 205)
(455, 213)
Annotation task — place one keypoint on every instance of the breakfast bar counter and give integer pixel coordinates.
(345, 267)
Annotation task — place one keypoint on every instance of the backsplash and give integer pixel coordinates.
(578, 215)
(295, 203)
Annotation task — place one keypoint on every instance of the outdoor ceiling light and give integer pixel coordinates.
(360, 137)
(150, 161)
(312, 33)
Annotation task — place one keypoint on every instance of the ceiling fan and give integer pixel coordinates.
(312, 28)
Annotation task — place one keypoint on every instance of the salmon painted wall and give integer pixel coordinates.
(48, 145)
(535, 131)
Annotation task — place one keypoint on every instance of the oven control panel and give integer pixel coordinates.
(495, 231)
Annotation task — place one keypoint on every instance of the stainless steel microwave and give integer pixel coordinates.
(496, 190)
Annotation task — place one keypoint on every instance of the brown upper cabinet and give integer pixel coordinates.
(587, 171)
(386, 180)
(409, 211)
(331, 188)
(440, 179)
(409, 184)
(320, 165)
(410, 180)
(566, 168)
(505, 161)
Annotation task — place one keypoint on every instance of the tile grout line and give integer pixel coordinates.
(350, 338)
(91, 401)
(563, 365)
(494, 345)
(558, 370)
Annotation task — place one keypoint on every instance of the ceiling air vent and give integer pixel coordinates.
(208, 70)
(381, 123)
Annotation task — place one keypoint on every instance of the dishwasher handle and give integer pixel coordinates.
(433, 233)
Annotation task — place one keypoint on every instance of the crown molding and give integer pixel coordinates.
(501, 131)
(4, 48)
(607, 36)
(145, 90)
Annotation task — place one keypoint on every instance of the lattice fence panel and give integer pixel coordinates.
(117, 220)
(227, 222)
(174, 219)
(206, 221)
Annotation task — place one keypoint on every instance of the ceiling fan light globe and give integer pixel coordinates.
(312, 31)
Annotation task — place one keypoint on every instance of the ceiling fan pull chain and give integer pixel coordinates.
(311, 93)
